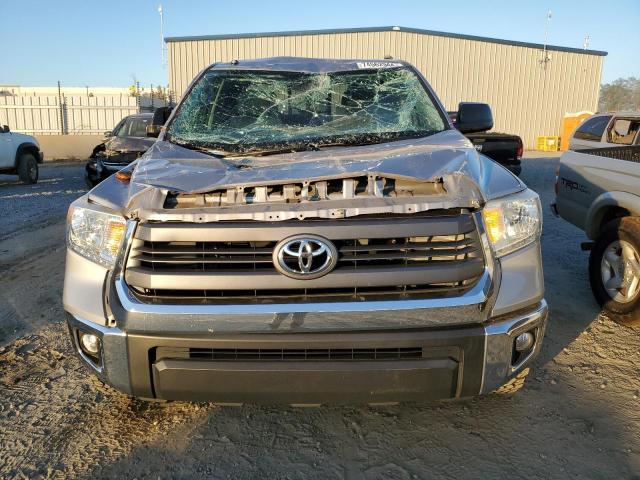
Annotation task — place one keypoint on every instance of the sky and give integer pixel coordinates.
(114, 43)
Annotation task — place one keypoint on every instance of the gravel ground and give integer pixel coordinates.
(32, 246)
(577, 416)
(27, 207)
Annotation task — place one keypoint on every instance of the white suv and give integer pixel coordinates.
(19, 155)
(607, 130)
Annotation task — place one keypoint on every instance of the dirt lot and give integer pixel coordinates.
(578, 416)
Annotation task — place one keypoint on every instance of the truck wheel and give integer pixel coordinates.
(614, 270)
(514, 385)
(28, 168)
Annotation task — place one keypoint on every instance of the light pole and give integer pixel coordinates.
(546, 57)
(161, 12)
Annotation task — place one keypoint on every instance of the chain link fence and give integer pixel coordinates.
(72, 114)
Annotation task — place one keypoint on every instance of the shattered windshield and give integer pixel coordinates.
(243, 111)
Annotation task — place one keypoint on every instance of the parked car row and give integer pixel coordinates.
(20, 154)
(134, 135)
(131, 137)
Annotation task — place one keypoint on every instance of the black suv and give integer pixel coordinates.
(125, 143)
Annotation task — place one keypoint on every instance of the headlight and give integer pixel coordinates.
(95, 235)
(513, 221)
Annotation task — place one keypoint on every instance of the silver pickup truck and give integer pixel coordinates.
(598, 190)
(308, 231)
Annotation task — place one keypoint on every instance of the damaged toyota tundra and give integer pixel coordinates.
(307, 232)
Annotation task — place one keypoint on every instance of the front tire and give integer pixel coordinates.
(28, 168)
(614, 270)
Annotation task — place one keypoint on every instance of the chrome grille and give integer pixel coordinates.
(221, 256)
(232, 262)
(120, 159)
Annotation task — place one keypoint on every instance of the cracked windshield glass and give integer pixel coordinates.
(248, 111)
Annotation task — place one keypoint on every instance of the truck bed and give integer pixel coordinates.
(504, 148)
(591, 182)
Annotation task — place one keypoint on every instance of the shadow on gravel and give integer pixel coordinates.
(492, 437)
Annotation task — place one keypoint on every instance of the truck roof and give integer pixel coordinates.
(308, 65)
(618, 113)
(141, 115)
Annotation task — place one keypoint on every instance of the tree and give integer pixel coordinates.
(621, 94)
(159, 93)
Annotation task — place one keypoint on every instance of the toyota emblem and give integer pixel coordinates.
(305, 257)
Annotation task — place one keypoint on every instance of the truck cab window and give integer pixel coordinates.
(623, 131)
(593, 128)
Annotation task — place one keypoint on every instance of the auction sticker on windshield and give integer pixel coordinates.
(369, 65)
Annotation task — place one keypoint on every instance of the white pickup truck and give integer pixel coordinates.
(598, 190)
(19, 155)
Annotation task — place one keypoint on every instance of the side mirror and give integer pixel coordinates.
(160, 117)
(6, 129)
(474, 117)
(108, 134)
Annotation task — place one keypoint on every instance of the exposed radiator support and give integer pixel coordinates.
(344, 188)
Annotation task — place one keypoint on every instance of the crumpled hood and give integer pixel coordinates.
(446, 157)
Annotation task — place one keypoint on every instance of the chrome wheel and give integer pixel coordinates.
(620, 271)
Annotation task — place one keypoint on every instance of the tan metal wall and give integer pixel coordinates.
(526, 98)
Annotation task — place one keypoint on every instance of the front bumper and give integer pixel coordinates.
(96, 172)
(453, 363)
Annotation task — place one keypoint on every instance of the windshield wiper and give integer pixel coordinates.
(384, 137)
(301, 146)
(354, 141)
(209, 151)
(275, 151)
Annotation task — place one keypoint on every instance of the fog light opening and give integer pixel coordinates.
(522, 346)
(90, 345)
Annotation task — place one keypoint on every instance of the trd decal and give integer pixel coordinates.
(571, 185)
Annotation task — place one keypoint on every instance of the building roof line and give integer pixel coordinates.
(435, 33)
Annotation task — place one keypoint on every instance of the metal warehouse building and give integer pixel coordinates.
(529, 86)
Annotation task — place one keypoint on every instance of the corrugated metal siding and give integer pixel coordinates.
(526, 98)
